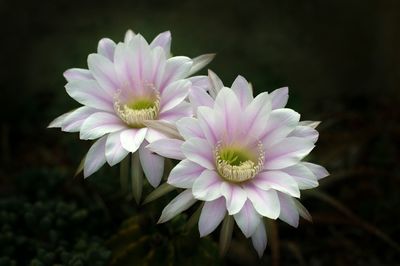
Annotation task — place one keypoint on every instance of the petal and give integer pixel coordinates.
(174, 94)
(132, 138)
(228, 107)
(129, 36)
(159, 61)
(124, 63)
(73, 122)
(184, 174)
(95, 158)
(200, 81)
(199, 151)
(163, 40)
(279, 125)
(77, 74)
(189, 127)
(104, 72)
(142, 64)
(176, 67)
(212, 214)
(235, 197)
(114, 151)
(305, 132)
(106, 48)
(207, 186)
(319, 171)
(257, 113)
(266, 203)
(247, 219)
(199, 97)
(170, 148)
(243, 91)
(152, 164)
(179, 204)
(279, 98)
(277, 180)
(88, 92)
(216, 84)
(259, 239)
(58, 121)
(181, 110)
(287, 153)
(312, 124)
(201, 61)
(209, 124)
(289, 213)
(302, 175)
(153, 135)
(100, 123)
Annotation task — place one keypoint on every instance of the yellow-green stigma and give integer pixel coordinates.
(238, 164)
(135, 112)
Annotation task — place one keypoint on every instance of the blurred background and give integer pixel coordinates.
(341, 61)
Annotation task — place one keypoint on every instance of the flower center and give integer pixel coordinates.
(236, 164)
(138, 110)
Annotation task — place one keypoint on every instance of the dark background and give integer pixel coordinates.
(341, 61)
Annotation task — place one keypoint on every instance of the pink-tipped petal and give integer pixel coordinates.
(216, 84)
(95, 158)
(207, 186)
(162, 40)
(280, 123)
(257, 113)
(179, 204)
(200, 97)
(305, 132)
(266, 203)
(77, 74)
(289, 213)
(159, 61)
(279, 97)
(243, 91)
(199, 151)
(176, 67)
(235, 197)
(209, 124)
(200, 81)
(106, 48)
(152, 164)
(170, 148)
(184, 109)
(184, 174)
(132, 138)
(259, 239)
(104, 72)
(174, 94)
(277, 180)
(287, 153)
(114, 151)
(142, 65)
(88, 92)
(319, 171)
(100, 123)
(304, 177)
(189, 127)
(153, 135)
(212, 214)
(73, 122)
(247, 219)
(200, 62)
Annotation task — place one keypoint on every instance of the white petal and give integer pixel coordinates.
(199, 97)
(259, 239)
(95, 158)
(319, 171)
(200, 81)
(189, 127)
(243, 91)
(58, 121)
(179, 204)
(132, 138)
(77, 74)
(235, 197)
(73, 122)
(106, 48)
(212, 214)
(289, 213)
(287, 153)
(266, 203)
(100, 123)
(279, 97)
(174, 94)
(176, 67)
(199, 151)
(142, 62)
(247, 219)
(153, 135)
(312, 124)
(305, 132)
(184, 109)
(129, 36)
(216, 84)
(170, 148)
(152, 164)
(207, 186)
(303, 176)
(104, 72)
(209, 124)
(184, 174)
(114, 150)
(277, 180)
(201, 61)
(162, 40)
(257, 113)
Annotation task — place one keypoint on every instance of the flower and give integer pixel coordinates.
(242, 156)
(125, 85)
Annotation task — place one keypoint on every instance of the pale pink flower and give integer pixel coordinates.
(125, 85)
(242, 156)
